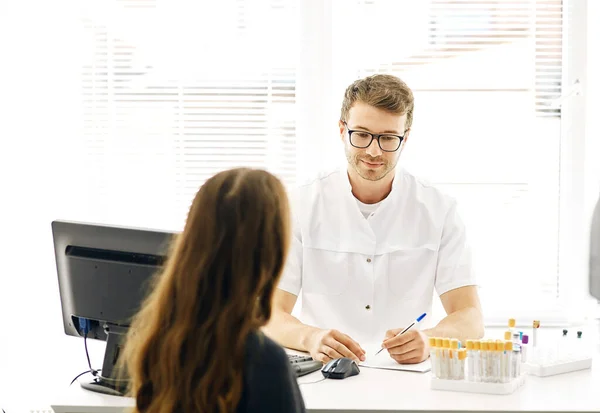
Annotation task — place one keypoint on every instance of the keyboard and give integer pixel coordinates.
(302, 365)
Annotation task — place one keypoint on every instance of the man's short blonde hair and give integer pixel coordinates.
(385, 92)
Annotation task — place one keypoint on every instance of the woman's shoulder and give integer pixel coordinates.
(261, 347)
(270, 384)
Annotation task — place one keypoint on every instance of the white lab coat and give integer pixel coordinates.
(363, 276)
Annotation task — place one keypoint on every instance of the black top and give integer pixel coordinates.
(269, 383)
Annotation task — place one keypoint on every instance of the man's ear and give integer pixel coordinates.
(342, 130)
(406, 134)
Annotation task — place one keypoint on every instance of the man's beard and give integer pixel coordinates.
(371, 174)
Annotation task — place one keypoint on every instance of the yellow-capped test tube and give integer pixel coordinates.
(454, 355)
(507, 361)
(439, 354)
(499, 354)
(477, 363)
(492, 366)
(470, 372)
(432, 356)
(484, 361)
(462, 356)
(446, 358)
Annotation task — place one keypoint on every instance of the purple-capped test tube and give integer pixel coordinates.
(524, 347)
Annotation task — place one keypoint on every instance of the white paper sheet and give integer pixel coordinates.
(384, 361)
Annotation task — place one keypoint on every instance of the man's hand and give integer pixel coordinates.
(408, 348)
(325, 345)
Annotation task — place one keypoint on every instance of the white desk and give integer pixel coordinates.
(396, 391)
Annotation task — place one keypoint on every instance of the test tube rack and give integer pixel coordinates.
(559, 365)
(477, 387)
(486, 366)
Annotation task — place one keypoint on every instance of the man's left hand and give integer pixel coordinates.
(408, 348)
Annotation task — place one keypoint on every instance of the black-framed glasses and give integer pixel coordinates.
(362, 139)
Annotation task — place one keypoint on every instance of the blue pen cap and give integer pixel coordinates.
(422, 316)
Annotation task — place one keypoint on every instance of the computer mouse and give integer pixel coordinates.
(340, 368)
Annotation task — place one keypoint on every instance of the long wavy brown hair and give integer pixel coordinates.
(186, 347)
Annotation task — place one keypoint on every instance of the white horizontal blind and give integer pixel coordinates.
(485, 75)
(226, 124)
(175, 91)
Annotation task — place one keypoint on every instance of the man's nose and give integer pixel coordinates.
(373, 149)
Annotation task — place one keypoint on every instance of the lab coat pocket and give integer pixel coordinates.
(324, 272)
(411, 272)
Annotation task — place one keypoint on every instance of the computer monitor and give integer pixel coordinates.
(104, 274)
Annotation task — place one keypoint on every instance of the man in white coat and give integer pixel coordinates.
(372, 242)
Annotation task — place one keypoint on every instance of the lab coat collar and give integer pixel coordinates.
(396, 183)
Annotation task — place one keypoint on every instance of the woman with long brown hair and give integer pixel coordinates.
(196, 345)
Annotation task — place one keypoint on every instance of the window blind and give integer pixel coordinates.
(175, 91)
(486, 76)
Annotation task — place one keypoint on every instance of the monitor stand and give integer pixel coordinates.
(110, 380)
(99, 386)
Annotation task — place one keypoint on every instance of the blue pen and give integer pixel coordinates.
(414, 323)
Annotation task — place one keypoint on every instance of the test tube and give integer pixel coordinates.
(516, 362)
(445, 358)
(470, 361)
(511, 324)
(432, 356)
(454, 351)
(536, 325)
(507, 359)
(524, 347)
(477, 364)
(501, 362)
(515, 339)
(439, 343)
(451, 361)
(484, 361)
(493, 366)
(462, 356)
(507, 335)
(499, 353)
(492, 358)
(499, 357)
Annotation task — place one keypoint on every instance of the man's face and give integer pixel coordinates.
(372, 163)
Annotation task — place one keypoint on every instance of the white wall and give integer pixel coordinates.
(38, 172)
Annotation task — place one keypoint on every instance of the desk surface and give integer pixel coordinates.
(375, 390)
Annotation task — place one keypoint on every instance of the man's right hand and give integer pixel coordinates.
(326, 345)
